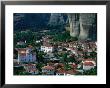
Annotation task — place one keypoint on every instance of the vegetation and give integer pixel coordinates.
(20, 46)
(93, 54)
(27, 36)
(39, 67)
(18, 70)
(92, 71)
(62, 37)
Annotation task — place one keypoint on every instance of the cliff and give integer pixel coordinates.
(83, 25)
(56, 19)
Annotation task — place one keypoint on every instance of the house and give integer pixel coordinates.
(73, 65)
(48, 70)
(58, 65)
(47, 48)
(31, 68)
(88, 64)
(60, 72)
(26, 55)
(89, 60)
(71, 72)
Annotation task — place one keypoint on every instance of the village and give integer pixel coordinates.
(49, 57)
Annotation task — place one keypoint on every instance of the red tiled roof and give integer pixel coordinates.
(48, 67)
(88, 64)
(89, 59)
(61, 71)
(47, 44)
(74, 65)
(22, 54)
(72, 72)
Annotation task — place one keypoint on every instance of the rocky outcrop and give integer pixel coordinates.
(83, 25)
(56, 19)
(87, 21)
(74, 24)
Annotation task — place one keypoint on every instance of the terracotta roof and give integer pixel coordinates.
(88, 64)
(62, 71)
(74, 66)
(22, 54)
(72, 72)
(47, 44)
(48, 67)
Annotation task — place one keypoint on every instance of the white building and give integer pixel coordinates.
(47, 49)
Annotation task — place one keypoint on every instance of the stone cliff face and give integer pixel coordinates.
(83, 26)
(74, 24)
(56, 19)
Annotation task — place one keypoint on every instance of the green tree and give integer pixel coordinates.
(92, 71)
(18, 70)
(93, 54)
(39, 67)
